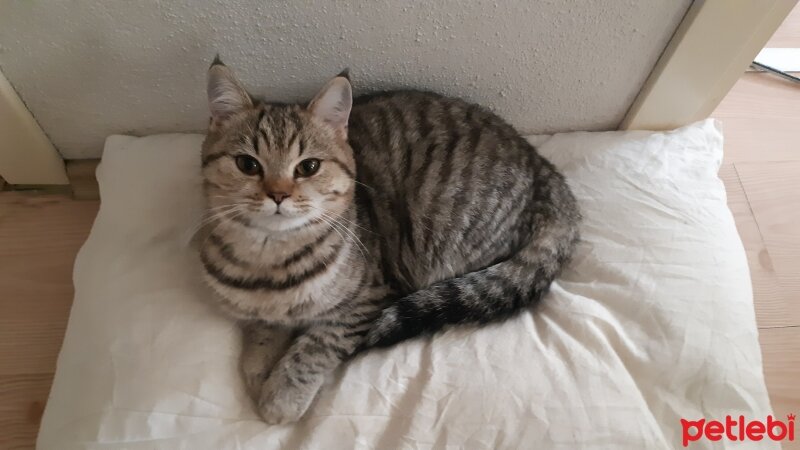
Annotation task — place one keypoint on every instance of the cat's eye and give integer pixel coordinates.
(248, 165)
(307, 167)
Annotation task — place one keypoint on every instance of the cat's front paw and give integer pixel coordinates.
(280, 405)
(278, 414)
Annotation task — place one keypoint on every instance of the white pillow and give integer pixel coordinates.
(653, 322)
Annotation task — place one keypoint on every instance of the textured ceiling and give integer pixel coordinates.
(88, 69)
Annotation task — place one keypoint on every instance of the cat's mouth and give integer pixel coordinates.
(280, 213)
(280, 219)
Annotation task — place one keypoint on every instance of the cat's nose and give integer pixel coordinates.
(278, 197)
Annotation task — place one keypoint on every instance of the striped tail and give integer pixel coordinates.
(491, 294)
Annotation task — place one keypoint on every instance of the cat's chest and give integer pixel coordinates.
(273, 281)
(288, 307)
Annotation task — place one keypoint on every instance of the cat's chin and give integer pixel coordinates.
(278, 223)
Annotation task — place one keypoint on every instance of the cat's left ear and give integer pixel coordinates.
(333, 103)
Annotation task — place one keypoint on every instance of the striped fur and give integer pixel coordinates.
(426, 211)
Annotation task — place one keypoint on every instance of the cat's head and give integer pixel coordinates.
(277, 167)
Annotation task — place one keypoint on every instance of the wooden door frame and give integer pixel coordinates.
(713, 45)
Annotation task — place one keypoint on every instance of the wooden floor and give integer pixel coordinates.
(761, 171)
(788, 34)
(39, 238)
(762, 117)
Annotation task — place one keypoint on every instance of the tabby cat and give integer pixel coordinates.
(344, 225)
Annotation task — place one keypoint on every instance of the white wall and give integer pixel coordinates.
(87, 69)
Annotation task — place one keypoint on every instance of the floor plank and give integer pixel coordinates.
(788, 34)
(39, 238)
(773, 307)
(21, 408)
(773, 191)
(781, 355)
(761, 122)
(761, 118)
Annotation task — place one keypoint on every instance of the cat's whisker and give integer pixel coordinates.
(336, 229)
(349, 231)
(355, 239)
(330, 213)
(355, 224)
(230, 215)
(237, 203)
(216, 216)
(219, 220)
(205, 220)
(220, 207)
(346, 234)
(365, 185)
(208, 219)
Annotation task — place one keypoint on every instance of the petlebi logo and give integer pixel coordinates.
(738, 429)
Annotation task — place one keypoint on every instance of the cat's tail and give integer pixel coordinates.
(494, 293)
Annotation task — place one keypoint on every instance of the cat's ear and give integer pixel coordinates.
(333, 103)
(226, 95)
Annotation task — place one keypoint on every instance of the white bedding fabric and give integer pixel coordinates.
(652, 322)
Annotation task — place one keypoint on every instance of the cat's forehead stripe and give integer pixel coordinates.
(280, 127)
(258, 128)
